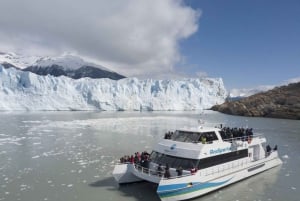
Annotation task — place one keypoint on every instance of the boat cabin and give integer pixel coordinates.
(199, 148)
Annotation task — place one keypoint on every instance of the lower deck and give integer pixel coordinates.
(152, 174)
(190, 185)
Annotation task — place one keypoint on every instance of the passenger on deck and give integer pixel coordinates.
(167, 171)
(131, 159)
(168, 135)
(159, 170)
(136, 159)
(268, 148)
(193, 170)
(203, 140)
(179, 171)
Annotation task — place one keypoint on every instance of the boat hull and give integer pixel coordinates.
(193, 186)
(123, 174)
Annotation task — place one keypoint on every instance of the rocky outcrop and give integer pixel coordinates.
(280, 102)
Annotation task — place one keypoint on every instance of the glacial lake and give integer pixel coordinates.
(67, 156)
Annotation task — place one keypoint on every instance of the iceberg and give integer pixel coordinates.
(21, 90)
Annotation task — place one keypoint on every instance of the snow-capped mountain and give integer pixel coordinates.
(67, 65)
(21, 90)
(20, 61)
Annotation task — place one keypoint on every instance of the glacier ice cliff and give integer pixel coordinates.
(27, 91)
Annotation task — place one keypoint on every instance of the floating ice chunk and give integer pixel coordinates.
(47, 131)
(70, 185)
(33, 122)
(24, 187)
(34, 157)
(4, 135)
(293, 188)
(285, 156)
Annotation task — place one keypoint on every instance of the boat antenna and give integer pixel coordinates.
(200, 123)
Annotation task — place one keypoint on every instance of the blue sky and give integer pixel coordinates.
(247, 43)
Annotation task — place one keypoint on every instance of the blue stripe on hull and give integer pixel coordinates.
(184, 188)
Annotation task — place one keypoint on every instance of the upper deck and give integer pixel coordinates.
(203, 142)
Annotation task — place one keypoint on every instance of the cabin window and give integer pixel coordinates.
(222, 158)
(173, 161)
(195, 137)
(210, 136)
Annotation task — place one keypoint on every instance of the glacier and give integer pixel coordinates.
(21, 90)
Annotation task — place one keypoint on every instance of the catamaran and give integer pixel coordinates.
(189, 163)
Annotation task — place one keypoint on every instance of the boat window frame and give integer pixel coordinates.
(173, 161)
(194, 137)
(222, 158)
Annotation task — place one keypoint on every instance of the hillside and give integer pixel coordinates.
(280, 102)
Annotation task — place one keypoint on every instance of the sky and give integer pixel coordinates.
(246, 42)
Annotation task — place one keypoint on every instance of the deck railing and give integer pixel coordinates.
(156, 173)
(206, 172)
(148, 171)
(243, 138)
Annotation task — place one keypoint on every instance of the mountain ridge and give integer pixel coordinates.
(66, 65)
(280, 102)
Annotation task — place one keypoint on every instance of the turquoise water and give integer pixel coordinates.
(70, 155)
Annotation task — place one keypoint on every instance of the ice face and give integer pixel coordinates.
(27, 91)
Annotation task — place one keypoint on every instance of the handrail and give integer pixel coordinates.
(154, 172)
(205, 172)
(245, 138)
(148, 171)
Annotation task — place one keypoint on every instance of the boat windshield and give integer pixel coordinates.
(173, 161)
(188, 136)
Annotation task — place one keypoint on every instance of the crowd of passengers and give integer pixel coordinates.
(168, 135)
(241, 133)
(141, 159)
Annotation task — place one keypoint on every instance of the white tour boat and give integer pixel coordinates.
(192, 162)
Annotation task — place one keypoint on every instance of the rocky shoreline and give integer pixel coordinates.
(280, 102)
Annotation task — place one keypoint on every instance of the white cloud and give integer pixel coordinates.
(134, 36)
(292, 80)
(245, 92)
(201, 74)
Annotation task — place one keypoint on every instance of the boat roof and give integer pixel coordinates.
(200, 129)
